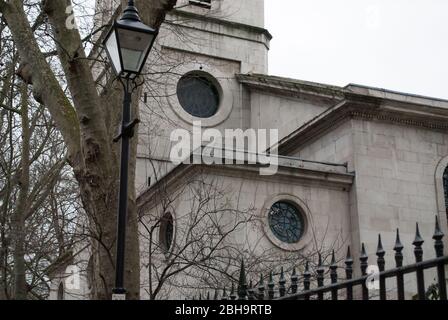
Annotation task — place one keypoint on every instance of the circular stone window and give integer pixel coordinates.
(286, 222)
(198, 95)
(167, 232)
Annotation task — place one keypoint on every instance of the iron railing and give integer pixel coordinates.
(337, 289)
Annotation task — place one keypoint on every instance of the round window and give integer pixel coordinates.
(286, 222)
(198, 95)
(167, 232)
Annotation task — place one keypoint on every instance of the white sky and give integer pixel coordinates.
(394, 44)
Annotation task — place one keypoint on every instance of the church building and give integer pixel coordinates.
(353, 162)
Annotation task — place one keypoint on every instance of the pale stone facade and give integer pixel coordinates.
(357, 161)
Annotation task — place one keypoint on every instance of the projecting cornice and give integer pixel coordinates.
(350, 102)
(290, 170)
(370, 108)
(292, 88)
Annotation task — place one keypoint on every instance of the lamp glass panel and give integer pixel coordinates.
(114, 54)
(134, 47)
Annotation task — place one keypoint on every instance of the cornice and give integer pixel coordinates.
(332, 179)
(364, 108)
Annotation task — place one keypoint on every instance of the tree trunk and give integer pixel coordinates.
(88, 136)
(18, 219)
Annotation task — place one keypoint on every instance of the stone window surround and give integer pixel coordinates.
(225, 93)
(167, 251)
(303, 208)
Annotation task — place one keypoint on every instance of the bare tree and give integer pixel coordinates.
(81, 114)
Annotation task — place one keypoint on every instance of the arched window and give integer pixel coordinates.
(166, 235)
(61, 291)
(445, 187)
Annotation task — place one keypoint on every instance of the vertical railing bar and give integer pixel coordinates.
(306, 279)
(320, 278)
(363, 259)
(381, 266)
(399, 263)
(334, 276)
(418, 252)
(438, 245)
(349, 273)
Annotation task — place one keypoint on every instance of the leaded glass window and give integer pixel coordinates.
(198, 95)
(286, 222)
(167, 232)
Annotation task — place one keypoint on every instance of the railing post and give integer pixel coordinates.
(380, 253)
(438, 245)
(215, 297)
(242, 284)
(294, 282)
(224, 295)
(251, 291)
(363, 259)
(306, 279)
(399, 263)
(349, 273)
(261, 288)
(320, 278)
(334, 276)
(282, 283)
(271, 286)
(232, 292)
(418, 252)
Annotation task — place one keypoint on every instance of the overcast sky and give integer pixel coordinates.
(394, 44)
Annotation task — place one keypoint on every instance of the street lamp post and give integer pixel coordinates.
(128, 44)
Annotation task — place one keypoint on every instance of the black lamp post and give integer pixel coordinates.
(128, 44)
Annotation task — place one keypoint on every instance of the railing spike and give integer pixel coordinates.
(349, 255)
(242, 283)
(282, 283)
(380, 250)
(363, 251)
(208, 296)
(438, 236)
(271, 286)
(398, 245)
(294, 281)
(418, 241)
(333, 258)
